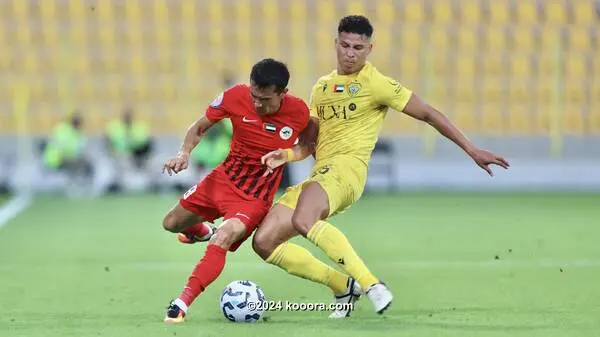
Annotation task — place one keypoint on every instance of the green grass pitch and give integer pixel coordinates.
(458, 264)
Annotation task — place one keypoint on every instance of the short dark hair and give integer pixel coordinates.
(356, 24)
(270, 72)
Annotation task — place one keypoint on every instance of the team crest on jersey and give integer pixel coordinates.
(286, 133)
(218, 100)
(353, 89)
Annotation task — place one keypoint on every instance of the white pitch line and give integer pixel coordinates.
(12, 208)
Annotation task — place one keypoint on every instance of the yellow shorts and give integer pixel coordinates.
(343, 178)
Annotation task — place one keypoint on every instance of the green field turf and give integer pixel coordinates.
(459, 265)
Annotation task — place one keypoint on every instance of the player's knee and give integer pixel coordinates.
(303, 222)
(170, 223)
(264, 243)
(230, 232)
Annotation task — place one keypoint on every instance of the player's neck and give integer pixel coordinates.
(341, 72)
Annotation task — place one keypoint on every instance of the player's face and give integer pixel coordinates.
(352, 51)
(266, 100)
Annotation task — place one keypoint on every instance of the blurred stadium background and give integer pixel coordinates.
(520, 77)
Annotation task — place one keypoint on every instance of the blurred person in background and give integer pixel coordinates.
(129, 144)
(214, 147)
(129, 139)
(64, 151)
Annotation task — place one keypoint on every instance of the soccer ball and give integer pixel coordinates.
(242, 301)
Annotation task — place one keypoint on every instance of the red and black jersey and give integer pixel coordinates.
(254, 136)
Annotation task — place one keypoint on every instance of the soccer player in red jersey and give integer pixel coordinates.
(264, 118)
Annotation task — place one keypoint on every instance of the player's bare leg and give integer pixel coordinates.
(190, 227)
(208, 269)
(270, 243)
(312, 207)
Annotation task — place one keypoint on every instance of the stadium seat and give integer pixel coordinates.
(550, 39)
(470, 12)
(493, 91)
(465, 66)
(356, 7)
(573, 120)
(523, 38)
(493, 64)
(439, 39)
(411, 38)
(575, 67)
(548, 66)
(463, 114)
(385, 12)
(520, 119)
(440, 94)
(413, 12)
(546, 92)
(555, 12)
(467, 38)
(527, 12)
(410, 66)
(584, 12)
(545, 116)
(382, 53)
(498, 12)
(579, 38)
(519, 91)
(520, 65)
(593, 118)
(466, 90)
(443, 11)
(493, 119)
(495, 38)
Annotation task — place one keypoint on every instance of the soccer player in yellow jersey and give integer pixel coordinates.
(350, 105)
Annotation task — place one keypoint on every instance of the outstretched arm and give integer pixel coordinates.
(306, 142)
(304, 148)
(420, 110)
(194, 133)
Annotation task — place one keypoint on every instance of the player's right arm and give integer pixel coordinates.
(215, 112)
(193, 135)
(304, 148)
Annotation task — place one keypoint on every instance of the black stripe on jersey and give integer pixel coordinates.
(244, 177)
(229, 163)
(255, 178)
(274, 177)
(261, 186)
(238, 169)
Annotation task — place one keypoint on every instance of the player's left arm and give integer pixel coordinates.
(394, 95)
(417, 108)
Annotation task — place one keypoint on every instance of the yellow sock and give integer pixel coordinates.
(300, 262)
(335, 244)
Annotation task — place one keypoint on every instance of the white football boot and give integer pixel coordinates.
(345, 301)
(380, 296)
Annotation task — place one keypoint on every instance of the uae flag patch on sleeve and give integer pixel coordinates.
(338, 88)
(270, 127)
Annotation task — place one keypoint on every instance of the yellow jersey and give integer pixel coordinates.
(351, 110)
